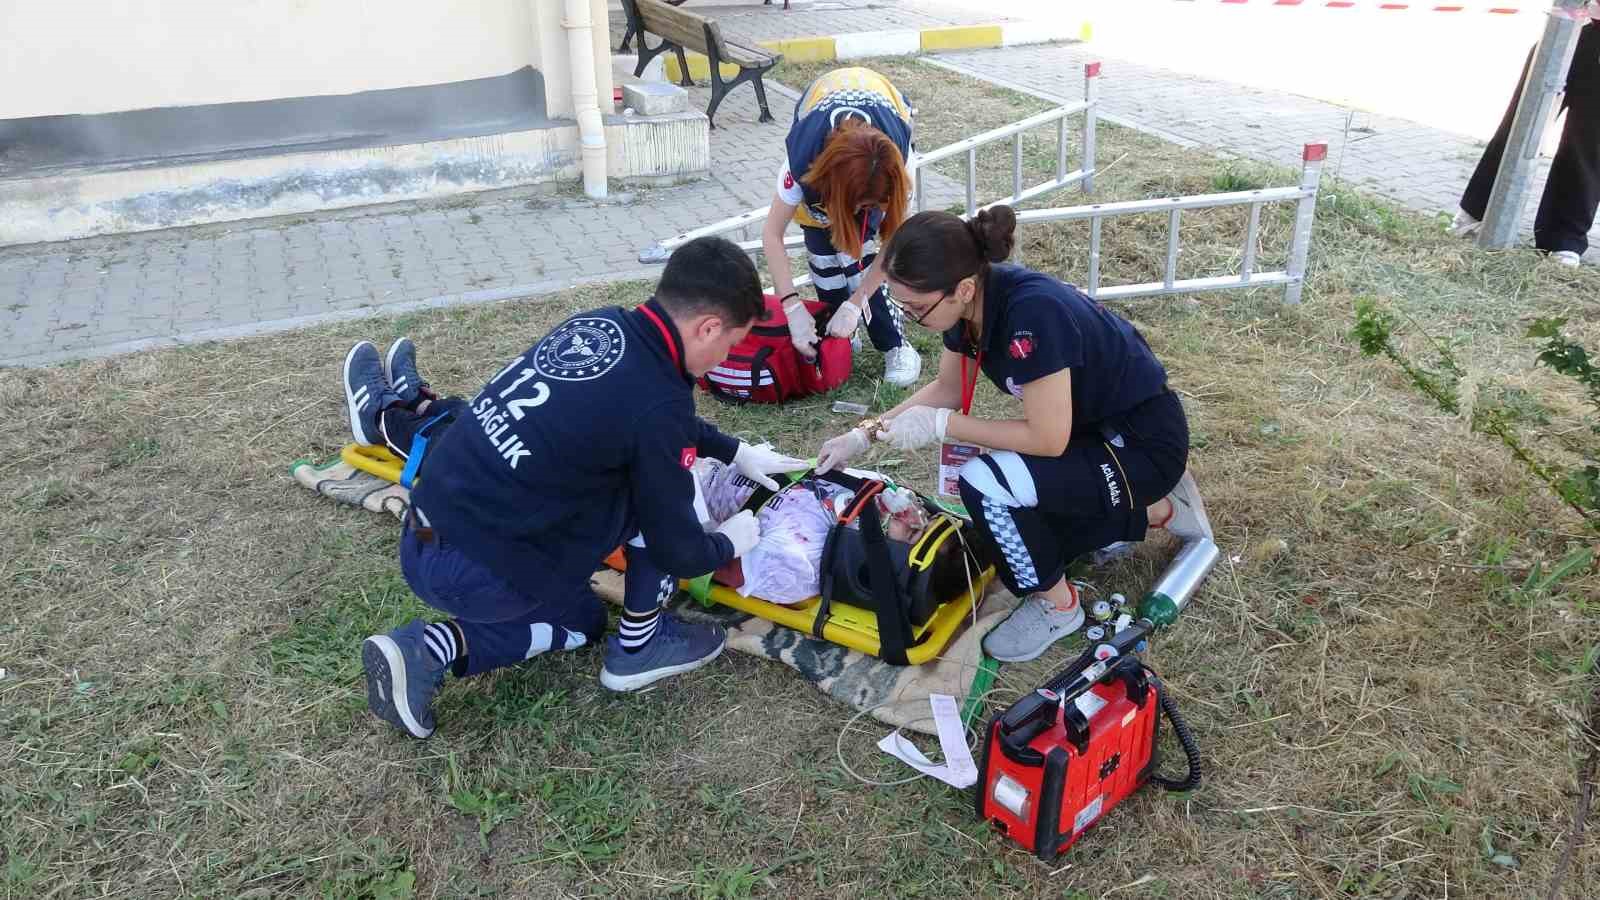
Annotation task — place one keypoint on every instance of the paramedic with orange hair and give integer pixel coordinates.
(846, 182)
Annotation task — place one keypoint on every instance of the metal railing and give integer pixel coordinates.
(1083, 175)
(1292, 277)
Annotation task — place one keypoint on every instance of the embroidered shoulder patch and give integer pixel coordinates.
(580, 349)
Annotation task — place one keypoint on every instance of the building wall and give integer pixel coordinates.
(118, 116)
(95, 56)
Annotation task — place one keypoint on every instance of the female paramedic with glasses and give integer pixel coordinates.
(845, 180)
(1100, 452)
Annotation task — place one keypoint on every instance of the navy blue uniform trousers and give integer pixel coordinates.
(502, 625)
(1042, 512)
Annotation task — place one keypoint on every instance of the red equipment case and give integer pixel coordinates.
(1050, 769)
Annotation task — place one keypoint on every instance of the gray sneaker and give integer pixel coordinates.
(675, 648)
(1189, 520)
(1030, 629)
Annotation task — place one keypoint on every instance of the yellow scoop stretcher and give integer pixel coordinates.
(847, 625)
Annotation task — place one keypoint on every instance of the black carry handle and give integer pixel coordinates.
(894, 620)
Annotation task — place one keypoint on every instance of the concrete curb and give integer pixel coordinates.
(903, 42)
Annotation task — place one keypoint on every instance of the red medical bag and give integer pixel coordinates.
(1060, 758)
(766, 368)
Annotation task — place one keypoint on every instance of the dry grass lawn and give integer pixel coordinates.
(1385, 710)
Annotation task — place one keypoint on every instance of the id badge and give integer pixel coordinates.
(952, 456)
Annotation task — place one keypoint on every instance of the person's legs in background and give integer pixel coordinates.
(1475, 199)
(1567, 209)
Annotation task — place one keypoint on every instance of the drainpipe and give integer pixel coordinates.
(585, 102)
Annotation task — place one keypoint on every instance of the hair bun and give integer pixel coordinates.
(993, 232)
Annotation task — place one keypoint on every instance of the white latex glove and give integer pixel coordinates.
(837, 451)
(844, 321)
(760, 462)
(743, 530)
(916, 427)
(802, 329)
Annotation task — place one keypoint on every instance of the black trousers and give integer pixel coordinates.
(1042, 512)
(399, 426)
(1567, 209)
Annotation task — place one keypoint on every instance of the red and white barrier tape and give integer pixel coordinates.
(1398, 6)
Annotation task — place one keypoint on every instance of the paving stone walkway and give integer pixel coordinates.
(117, 294)
(1422, 168)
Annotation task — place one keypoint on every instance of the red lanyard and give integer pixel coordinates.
(968, 388)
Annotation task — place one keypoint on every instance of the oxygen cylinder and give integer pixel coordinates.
(1177, 585)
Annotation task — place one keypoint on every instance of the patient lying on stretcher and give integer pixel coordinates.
(785, 567)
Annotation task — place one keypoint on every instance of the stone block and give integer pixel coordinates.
(654, 98)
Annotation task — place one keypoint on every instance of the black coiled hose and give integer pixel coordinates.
(1169, 707)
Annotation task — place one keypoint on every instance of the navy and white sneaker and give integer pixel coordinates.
(366, 393)
(676, 647)
(402, 678)
(400, 367)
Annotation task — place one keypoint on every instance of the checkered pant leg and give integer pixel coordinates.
(835, 276)
(1019, 572)
(1029, 553)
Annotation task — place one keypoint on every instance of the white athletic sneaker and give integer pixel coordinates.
(1567, 258)
(902, 365)
(1189, 520)
(1464, 224)
(1031, 628)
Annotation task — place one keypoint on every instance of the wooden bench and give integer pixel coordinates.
(679, 30)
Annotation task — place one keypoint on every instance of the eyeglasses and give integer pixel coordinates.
(916, 315)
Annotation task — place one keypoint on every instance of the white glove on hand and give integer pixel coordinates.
(743, 530)
(802, 329)
(759, 462)
(844, 321)
(837, 451)
(916, 427)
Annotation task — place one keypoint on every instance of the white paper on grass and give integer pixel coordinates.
(958, 770)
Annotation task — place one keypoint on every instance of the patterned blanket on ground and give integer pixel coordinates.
(855, 679)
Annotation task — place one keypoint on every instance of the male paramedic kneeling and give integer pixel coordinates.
(582, 443)
(1101, 434)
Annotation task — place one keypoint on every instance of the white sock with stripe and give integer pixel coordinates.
(444, 643)
(636, 629)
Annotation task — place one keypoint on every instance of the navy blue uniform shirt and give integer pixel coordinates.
(1035, 325)
(575, 446)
